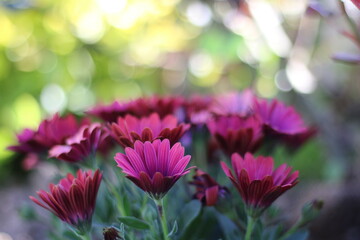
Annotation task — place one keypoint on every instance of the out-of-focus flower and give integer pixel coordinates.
(27, 143)
(110, 113)
(279, 118)
(80, 146)
(258, 183)
(236, 134)
(208, 191)
(111, 233)
(154, 167)
(72, 199)
(236, 103)
(197, 109)
(56, 130)
(357, 3)
(297, 140)
(130, 129)
(163, 106)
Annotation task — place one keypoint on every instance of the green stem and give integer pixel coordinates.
(119, 199)
(249, 227)
(86, 236)
(162, 216)
(291, 231)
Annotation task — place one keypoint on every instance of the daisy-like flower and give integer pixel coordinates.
(51, 132)
(236, 103)
(258, 183)
(72, 199)
(27, 143)
(80, 146)
(154, 167)
(208, 191)
(129, 129)
(110, 113)
(236, 134)
(279, 118)
(162, 105)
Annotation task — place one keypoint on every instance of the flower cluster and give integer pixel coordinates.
(146, 135)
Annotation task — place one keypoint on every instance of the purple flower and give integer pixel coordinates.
(80, 146)
(72, 199)
(130, 129)
(279, 118)
(154, 167)
(236, 134)
(258, 183)
(240, 104)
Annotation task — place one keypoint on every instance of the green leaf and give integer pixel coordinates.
(229, 229)
(134, 223)
(189, 213)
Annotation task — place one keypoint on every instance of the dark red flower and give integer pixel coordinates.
(236, 134)
(80, 146)
(111, 233)
(208, 191)
(258, 183)
(130, 129)
(162, 105)
(154, 167)
(72, 199)
(237, 103)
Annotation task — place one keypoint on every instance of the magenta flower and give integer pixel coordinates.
(257, 182)
(72, 199)
(356, 3)
(236, 134)
(80, 146)
(208, 191)
(197, 109)
(57, 129)
(110, 113)
(154, 167)
(27, 143)
(130, 129)
(279, 118)
(240, 104)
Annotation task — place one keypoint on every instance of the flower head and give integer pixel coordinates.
(279, 118)
(56, 130)
(72, 199)
(129, 129)
(110, 113)
(357, 3)
(208, 191)
(51, 132)
(161, 105)
(83, 144)
(154, 167)
(258, 183)
(236, 134)
(237, 103)
(27, 143)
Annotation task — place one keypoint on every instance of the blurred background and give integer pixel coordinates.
(58, 56)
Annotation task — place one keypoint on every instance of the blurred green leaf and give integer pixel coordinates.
(135, 223)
